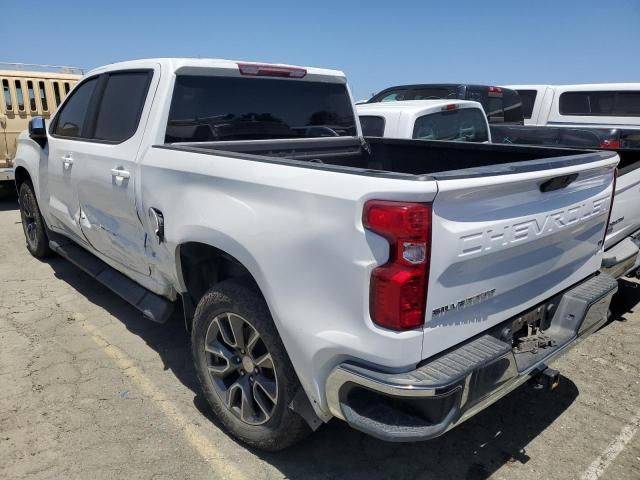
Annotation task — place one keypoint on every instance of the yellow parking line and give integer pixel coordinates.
(600, 464)
(196, 439)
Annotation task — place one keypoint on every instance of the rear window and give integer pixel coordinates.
(602, 103)
(465, 125)
(372, 126)
(209, 108)
(528, 98)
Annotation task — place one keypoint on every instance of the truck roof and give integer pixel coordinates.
(183, 65)
(414, 107)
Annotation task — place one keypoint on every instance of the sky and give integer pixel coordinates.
(377, 44)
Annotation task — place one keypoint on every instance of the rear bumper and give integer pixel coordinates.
(426, 402)
(621, 258)
(7, 174)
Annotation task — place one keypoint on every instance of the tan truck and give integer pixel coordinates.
(28, 93)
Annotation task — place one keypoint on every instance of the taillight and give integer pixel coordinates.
(451, 106)
(256, 70)
(613, 144)
(398, 289)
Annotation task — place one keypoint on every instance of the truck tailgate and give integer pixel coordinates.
(504, 242)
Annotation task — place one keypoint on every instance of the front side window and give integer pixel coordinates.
(121, 106)
(601, 103)
(372, 126)
(6, 93)
(19, 95)
(71, 121)
(396, 95)
(463, 125)
(32, 96)
(43, 96)
(211, 108)
(528, 98)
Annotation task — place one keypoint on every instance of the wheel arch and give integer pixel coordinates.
(201, 265)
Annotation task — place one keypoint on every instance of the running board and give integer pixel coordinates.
(153, 307)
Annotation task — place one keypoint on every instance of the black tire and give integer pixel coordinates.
(33, 226)
(284, 427)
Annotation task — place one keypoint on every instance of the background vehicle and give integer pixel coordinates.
(621, 244)
(368, 279)
(606, 105)
(502, 105)
(455, 120)
(27, 94)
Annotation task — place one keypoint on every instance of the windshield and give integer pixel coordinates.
(209, 108)
(465, 125)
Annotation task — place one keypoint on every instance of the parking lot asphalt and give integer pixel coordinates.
(90, 390)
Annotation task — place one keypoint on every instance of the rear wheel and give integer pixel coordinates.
(244, 369)
(32, 222)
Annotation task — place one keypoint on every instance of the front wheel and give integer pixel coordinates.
(32, 222)
(243, 368)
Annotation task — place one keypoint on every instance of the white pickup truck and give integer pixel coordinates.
(400, 285)
(453, 120)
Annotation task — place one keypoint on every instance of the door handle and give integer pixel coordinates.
(116, 172)
(67, 161)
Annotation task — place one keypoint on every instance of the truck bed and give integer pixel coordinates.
(397, 157)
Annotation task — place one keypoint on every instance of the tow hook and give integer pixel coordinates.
(547, 379)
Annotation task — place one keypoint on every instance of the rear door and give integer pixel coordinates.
(504, 242)
(107, 176)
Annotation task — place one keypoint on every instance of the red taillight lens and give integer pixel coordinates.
(256, 70)
(451, 106)
(399, 287)
(613, 144)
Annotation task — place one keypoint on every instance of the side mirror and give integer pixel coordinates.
(38, 131)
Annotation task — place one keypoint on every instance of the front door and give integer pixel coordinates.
(68, 146)
(110, 219)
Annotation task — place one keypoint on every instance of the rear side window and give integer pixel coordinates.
(43, 96)
(32, 96)
(19, 95)
(210, 108)
(6, 93)
(56, 93)
(121, 106)
(512, 105)
(528, 98)
(464, 125)
(71, 121)
(391, 96)
(433, 93)
(372, 126)
(601, 103)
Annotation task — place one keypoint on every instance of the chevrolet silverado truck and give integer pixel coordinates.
(399, 285)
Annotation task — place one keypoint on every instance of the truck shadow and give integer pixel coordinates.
(475, 450)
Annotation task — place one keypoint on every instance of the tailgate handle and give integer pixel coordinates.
(557, 183)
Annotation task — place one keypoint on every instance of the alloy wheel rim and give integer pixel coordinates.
(29, 220)
(241, 368)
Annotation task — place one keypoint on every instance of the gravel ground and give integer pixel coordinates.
(91, 390)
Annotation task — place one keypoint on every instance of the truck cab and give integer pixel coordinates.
(453, 120)
(502, 105)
